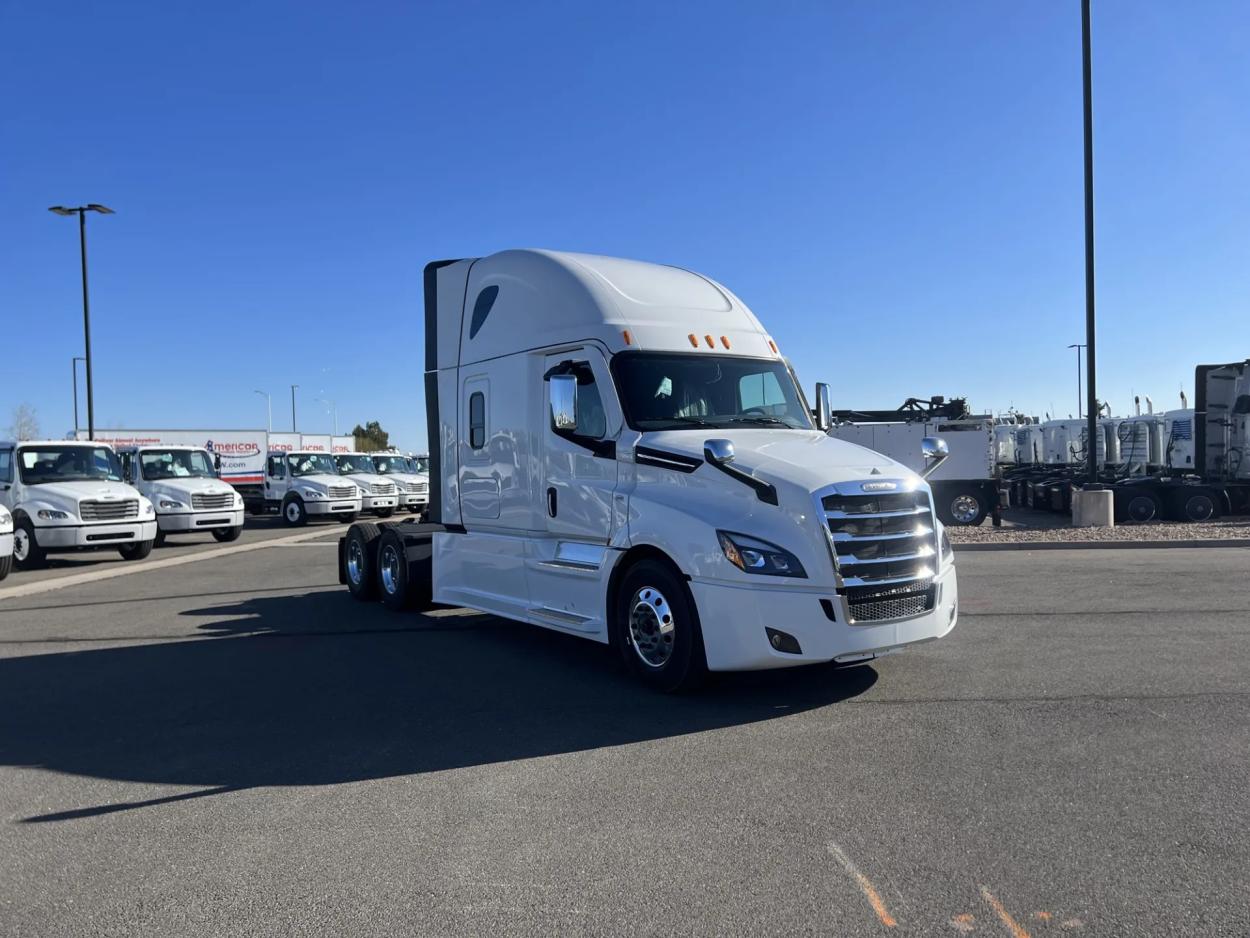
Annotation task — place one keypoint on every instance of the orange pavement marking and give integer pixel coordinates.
(1016, 929)
(865, 886)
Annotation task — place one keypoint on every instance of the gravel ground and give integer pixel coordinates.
(1023, 525)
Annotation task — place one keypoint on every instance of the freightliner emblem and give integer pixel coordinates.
(879, 486)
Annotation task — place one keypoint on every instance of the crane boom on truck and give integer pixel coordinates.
(619, 451)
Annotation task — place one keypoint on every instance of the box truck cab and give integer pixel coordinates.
(300, 484)
(620, 452)
(68, 495)
(379, 495)
(412, 487)
(183, 485)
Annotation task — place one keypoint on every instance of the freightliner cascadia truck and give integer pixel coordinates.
(619, 451)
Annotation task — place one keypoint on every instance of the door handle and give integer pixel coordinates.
(551, 502)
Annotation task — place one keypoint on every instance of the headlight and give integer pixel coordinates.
(312, 493)
(149, 510)
(751, 555)
(47, 515)
(948, 552)
(238, 499)
(169, 503)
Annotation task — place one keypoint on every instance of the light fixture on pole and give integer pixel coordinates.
(81, 211)
(1078, 346)
(334, 409)
(268, 406)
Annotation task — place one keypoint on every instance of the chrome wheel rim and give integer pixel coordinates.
(355, 561)
(292, 511)
(21, 545)
(388, 564)
(965, 508)
(652, 627)
(1141, 509)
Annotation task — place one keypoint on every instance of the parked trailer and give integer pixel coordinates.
(620, 452)
(183, 485)
(965, 486)
(68, 495)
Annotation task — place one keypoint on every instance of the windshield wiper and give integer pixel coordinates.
(766, 420)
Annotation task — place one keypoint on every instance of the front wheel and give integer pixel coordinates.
(347, 517)
(293, 511)
(385, 512)
(225, 535)
(6, 564)
(27, 554)
(657, 628)
(136, 551)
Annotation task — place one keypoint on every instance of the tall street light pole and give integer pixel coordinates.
(74, 366)
(334, 409)
(268, 406)
(1087, 83)
(1078, 346)
(293, 387)
(81, 211)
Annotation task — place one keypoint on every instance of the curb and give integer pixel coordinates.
(1097, 545)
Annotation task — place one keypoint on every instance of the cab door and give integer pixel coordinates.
(277, 477)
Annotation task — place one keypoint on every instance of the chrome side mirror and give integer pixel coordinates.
(824, 416)
(935, 451)
(718, 452)
(562, 393)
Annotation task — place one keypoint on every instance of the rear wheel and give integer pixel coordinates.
(1199, 506)
(396, 588)
(360, 559)
(27, 554)
(657, 628)
(966, 505)
(1139, 507)
(226, 535)
(136, 551)
(293, 511)
(160, 538)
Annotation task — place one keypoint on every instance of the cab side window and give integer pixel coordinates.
(277, 467)
(477, 420)
(6, 465)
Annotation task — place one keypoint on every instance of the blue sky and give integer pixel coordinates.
(895, 189)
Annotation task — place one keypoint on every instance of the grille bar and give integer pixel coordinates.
(203, 501)
(109, 511)
(342, 491)
(836, 513)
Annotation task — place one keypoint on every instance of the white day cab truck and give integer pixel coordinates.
(618, 451)
(379, 495)
(302, 484)
(68, 495)
(412, 486)
(183, 485)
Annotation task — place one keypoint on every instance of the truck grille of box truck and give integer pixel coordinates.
(211, 502)
(342, 491)
(382, 488)
(109, 511)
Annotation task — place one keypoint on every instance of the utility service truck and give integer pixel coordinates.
(68, 495)
(183, 484)
(300, 484)
(411, 485)
(619, 451)
(379, 494)
(965, 486)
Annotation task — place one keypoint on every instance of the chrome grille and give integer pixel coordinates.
(885, 549)
(342, 491)
(417, 488)
(382, 488)
(109, 511)
(201, 501)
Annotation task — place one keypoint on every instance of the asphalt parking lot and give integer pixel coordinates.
(232, 746)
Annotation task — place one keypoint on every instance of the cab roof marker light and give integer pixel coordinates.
(629, 339)
(710, 343)
(773, 345)
(694, 340)
(724, 340)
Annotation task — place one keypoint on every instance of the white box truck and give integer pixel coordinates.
(6, 542)
(412, 486)
(68, 495)
(300, 484)
(379, 494)
(620, 452)
(182, 483)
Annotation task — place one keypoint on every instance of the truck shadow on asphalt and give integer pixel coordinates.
(316, 689)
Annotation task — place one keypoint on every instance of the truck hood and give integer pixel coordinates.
(405, 477)
(364, 479)
(319, 481)
(65, 496)
(183, 488)
(807, 459)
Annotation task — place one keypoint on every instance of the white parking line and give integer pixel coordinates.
(126, 569)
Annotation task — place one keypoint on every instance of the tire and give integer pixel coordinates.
(293, 511)
(1199, 506)
(395, 588)
(965, 506)
(6, 564)
(225, 535)
(360, 559)
(136, 551)
(160, 538)
(1138, 506)
(27, 554)
(651, 596)
(347, 517)
(385, 512)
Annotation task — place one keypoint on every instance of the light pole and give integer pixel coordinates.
(268, 406)
(1078, 346)
(81, 211)
(334, 409)
(293, 387)
(1087, 84)
(74, 367)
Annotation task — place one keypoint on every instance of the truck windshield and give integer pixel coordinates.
(421, 464)
(666, 391)
(386, 465)
(355, 463)
(176, 464)
(40, 464)
(311, 464)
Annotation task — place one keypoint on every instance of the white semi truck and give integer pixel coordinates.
(620, 452)
(68, 495)
(183, 484)
(301, 484)
(379, 494)
(412, 486)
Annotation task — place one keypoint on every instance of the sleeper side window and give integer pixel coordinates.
(477, 420)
